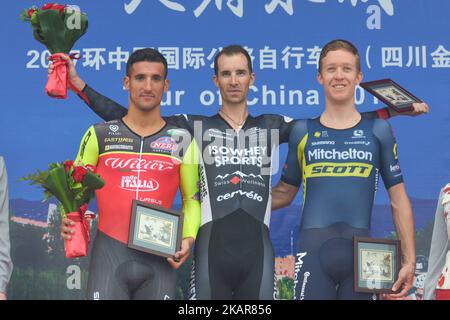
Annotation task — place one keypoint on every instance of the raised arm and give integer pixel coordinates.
(386, 113)
(104, 107)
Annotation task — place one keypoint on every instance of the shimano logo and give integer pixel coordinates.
(251, 195)
(350, 154)
(318, 143)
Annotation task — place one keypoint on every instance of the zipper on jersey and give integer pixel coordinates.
(240, 161)
(138, 183)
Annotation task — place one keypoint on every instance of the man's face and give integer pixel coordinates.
(339, 76)
(233, 78)
(146, 84)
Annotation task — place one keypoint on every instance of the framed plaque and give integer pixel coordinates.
(392, 94)
(154, 229)
(376, 264)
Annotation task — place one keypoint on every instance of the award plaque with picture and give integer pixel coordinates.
(392, 94)
(155, 229)
(376, 264)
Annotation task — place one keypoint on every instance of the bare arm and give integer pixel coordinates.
(283, 195)
(404, 224)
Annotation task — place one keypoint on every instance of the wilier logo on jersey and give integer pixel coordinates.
(164, 143)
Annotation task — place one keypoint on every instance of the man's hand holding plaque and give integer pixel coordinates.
(398, 99)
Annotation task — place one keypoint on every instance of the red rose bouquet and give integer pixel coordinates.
(74, 187)
(58, 27)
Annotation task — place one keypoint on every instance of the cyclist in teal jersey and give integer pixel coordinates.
(339, 157)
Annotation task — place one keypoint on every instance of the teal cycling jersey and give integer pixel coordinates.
(340, 170)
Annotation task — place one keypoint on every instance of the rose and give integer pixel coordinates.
(54, 6)
(83, 208)
(73, 186)
(68, 165)
(78, 173)
(52, 26)
(30, 13)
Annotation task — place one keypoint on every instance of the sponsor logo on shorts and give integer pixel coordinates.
(297, 268)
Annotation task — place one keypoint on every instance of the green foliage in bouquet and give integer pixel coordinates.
(73, 186)
(56, 26)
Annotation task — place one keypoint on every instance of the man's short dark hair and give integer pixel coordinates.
(146, 54)
(231, 51)
(338, 44)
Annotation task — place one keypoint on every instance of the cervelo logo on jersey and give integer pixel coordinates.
(136, 164)
(332, 169)
(227, 155)
(333, 154)
(251, 195)
(132, 183)
(164, 143)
